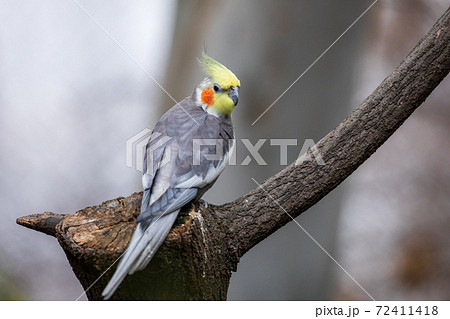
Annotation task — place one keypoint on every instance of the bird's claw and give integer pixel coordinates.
(203, 202)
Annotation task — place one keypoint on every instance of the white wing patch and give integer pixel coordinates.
(146, 180)
(161, 181)
(211, 175)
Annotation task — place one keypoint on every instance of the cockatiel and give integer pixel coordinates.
(187, 151)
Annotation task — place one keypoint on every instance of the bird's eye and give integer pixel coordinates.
(216, 88)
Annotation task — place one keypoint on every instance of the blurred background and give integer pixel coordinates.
(76, 83)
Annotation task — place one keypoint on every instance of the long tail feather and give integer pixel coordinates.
(143, 245)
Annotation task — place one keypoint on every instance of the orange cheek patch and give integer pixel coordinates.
(208, 97)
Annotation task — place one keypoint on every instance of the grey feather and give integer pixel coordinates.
(148, 236)
(124, 264)
(184, 196)
(143, 245)
(155, 236)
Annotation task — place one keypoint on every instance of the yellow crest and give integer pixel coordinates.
(224, 77)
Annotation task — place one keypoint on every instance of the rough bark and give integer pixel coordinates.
(205, 245)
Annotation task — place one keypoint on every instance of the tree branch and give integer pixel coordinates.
(205, 244)
(45, 222)
(298, 187)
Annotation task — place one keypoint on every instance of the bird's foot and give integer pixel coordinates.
(203, 202)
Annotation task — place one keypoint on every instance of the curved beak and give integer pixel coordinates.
(234, 95)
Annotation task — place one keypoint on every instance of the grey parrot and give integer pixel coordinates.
(187, 151)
